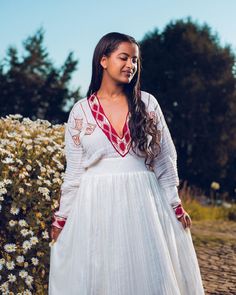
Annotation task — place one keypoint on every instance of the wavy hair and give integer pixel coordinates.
(145, 137)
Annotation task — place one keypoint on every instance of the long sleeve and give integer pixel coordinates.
(165, 164)
(74, 154)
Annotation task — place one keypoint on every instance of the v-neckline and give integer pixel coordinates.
(112, 127)
(121, 144)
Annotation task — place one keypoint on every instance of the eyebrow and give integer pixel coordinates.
(127, 54)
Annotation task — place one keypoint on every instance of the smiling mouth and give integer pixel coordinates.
(128, 73)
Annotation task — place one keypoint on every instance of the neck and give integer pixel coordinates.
(111, 91)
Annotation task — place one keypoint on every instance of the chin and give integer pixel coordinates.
(125, 81)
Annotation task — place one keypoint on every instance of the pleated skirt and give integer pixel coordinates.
(122, 237)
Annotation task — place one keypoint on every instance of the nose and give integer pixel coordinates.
(130, 63)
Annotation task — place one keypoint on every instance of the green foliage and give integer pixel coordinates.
(32, 86)
(193, 77)
(210, 212)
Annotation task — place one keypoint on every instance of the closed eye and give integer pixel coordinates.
(134, 60)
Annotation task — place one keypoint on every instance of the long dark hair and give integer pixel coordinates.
(142, 126)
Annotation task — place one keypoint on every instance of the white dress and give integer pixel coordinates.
(121, 235)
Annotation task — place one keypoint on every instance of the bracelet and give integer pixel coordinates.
(179, 211)
(58, 221)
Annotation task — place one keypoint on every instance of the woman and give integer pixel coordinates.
(120, 228)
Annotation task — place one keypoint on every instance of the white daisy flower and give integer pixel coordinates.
(45, 234)
(21, 190)
(23, 273)
(10, 265)
(19, 161)
(26, 245)
(60, 166)
(24, 232)
(2, 261)
(35, 261)
(22, 222)
(50, 149)
(4, 288)
(28, 167)
(21, 175)
(12, 222)
(39, 163)
(44, 191)
(47, 198)
(34, 240)
(14, 210)
(11, 278)
(29, 147)
(8, 160)
(43, 169)
(10, 247)
(7, 181)
(29, 279)
(48, 182)
(15, 116)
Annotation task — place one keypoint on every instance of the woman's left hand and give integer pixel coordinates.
(185, 220)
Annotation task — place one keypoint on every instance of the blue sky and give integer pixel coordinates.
(78, 25)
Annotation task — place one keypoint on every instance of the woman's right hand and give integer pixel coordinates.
(55, 231)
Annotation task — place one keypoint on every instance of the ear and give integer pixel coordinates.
(103, 62)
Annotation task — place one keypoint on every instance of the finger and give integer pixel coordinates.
(182, 221)
(185, 221)
(188, 219)
(51, 234)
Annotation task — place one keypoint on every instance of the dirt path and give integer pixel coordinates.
(215, 244)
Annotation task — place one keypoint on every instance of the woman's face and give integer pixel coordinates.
(121, 65)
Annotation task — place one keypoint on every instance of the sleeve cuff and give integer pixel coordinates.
(58, 221)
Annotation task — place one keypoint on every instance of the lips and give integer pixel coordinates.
(128, 72)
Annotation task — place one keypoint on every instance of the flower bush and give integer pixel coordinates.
(32, 164)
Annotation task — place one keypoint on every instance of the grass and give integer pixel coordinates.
(210, 212)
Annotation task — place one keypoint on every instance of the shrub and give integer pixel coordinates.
(32, 166)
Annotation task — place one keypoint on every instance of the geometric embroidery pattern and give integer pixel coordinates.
(77, 129)
(121, 144)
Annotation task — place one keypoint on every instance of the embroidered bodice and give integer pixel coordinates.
(89, 137)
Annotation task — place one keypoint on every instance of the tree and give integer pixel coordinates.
(32, 86)
(193, 78)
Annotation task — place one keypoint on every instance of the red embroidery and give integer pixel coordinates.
(121, 144)
(90, 128)
(76, 139)
(78, 123)
(179, 211)
(59, 221)
(77, 129)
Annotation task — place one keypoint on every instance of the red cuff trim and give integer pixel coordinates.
(179, 211)
(59, 221)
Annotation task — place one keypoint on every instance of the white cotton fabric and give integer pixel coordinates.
(121, 236)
